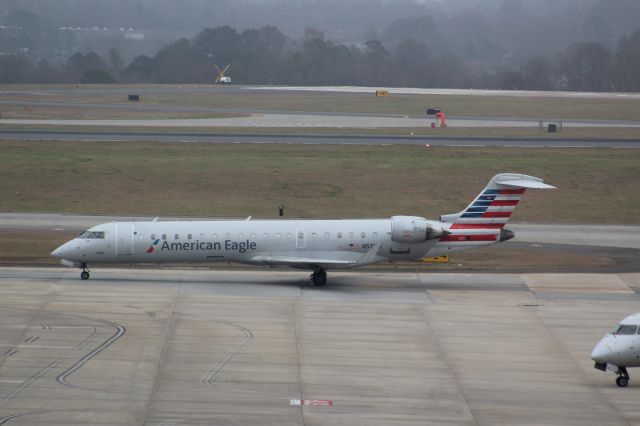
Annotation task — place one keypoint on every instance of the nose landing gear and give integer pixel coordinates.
(319, 277)
(84, 275)
(623, 377)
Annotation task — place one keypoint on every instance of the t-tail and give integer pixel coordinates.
(483, 221)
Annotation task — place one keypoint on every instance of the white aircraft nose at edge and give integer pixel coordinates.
(619, 349)
(317, 245)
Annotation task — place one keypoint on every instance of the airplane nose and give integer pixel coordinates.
(57, 252)
(601, 353)
(61, 251)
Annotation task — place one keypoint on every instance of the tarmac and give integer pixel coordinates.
(337, 121)
(193, 346)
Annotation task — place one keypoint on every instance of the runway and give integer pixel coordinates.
(316, 121)
(257, 138)
(187, 346)
(453, 92)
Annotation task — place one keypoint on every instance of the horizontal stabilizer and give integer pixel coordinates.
(524, 183)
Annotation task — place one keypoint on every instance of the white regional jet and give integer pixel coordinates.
(620, 349)
(317, 245)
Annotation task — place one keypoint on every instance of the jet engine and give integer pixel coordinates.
(411, 229)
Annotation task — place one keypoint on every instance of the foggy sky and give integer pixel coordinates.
(483, 30)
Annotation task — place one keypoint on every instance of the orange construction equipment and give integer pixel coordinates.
(443, 119)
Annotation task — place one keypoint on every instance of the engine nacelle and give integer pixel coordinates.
(411, 229)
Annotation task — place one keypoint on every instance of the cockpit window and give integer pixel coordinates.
(92, 234)
(626, 329)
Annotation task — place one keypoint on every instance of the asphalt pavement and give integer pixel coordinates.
(256, 138)
(188, 346)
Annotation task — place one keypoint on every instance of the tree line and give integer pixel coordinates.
(267, 56)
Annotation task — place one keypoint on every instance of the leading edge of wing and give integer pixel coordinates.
(289, 260)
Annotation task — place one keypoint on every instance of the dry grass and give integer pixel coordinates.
(29, 247)
(505, 258)
(75, 113)
(191, 179)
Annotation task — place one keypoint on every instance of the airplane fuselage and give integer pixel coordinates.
(248, 241)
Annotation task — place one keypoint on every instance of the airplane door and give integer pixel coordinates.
(124, 239)
(301, 241)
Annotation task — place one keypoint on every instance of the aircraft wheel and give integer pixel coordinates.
(84, 275)
(622, 382)
(319, 278)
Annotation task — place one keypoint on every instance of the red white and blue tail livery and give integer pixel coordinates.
(483, 221)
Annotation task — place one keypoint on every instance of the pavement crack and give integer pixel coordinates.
(156, 380)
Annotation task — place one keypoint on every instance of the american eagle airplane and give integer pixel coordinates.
(317, 245)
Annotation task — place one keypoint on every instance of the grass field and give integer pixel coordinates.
(221, 97)
(190, 179)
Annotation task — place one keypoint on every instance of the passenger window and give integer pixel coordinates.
(153, 237)
(289, 236)
(228, 235)
(339, 234)
(202, 236)
(375, 234)
(314, 235)
(278, 236)
(240, 236)
(164, 236)
(176, 237)
(188, 236)
(327, 235)
(265, 235)
(253, 236)
(215, 236)
(350, 234)
(363, 235)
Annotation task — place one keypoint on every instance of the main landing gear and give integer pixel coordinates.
(85, 272)
(319, 277)
(623, 377)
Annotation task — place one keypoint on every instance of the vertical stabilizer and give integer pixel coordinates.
(483, 220)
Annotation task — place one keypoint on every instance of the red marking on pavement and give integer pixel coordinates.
(312, 402)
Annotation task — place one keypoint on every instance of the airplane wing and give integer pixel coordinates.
(300, 261)
(366, 258)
